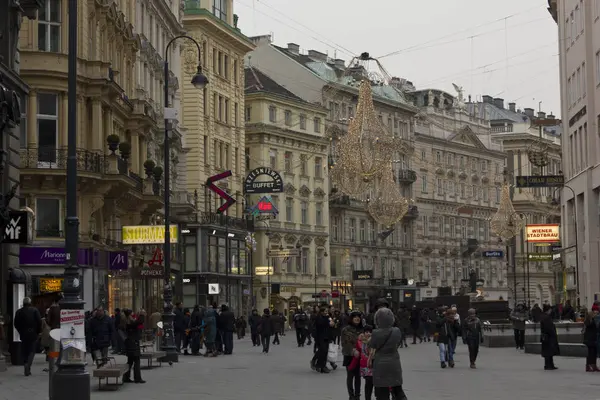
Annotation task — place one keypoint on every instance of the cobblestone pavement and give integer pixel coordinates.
(502, 374)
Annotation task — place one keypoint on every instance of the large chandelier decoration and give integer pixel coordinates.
(387, 206)
(506, 223)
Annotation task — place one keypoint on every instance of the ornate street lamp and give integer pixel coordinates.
(199, 80)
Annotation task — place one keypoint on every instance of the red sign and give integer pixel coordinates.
(157, 257)
(335, 294)
(265, 206)
(210, 184)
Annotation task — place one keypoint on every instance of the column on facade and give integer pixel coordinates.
(82, 117)
(136, 152)
(143, 149)
(64, 120)
(97, 125)
(108, 121)
(32, 120)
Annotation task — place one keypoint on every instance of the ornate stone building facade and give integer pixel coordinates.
(287, 134)
(460, 170)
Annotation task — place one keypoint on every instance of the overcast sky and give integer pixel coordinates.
(506, 49)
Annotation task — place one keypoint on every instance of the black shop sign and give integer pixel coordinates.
(362, 275)
(272, 184)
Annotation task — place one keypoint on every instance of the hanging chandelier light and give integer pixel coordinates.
(387, 206)
(506, 223)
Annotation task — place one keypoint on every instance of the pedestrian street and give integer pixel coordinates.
(285, 374)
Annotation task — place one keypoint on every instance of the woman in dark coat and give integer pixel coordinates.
(549, 339)
(590, 339)
(132, 326)
(387, 369)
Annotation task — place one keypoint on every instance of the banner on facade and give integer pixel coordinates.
(271, 184)
(19, 229)
(148, 234)
(362, 275)
(543, 233)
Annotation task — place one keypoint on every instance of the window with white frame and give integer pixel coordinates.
(424, 184)
(352, 230)
(318, 167)
(304, 212)
(47, 127)
(486, 231)
(289, 209)
(317, 125)
(335, 228)
(49, 26)
(406, 235)
(304, 261)
(272, 114)
(288, 161)
(440, 187)
(303, 122)
(273, 159)
(288, 117)
(319, 213)
(319, 265)
(476, 229)
(438, 156)
(303, 166)
(220, 9)
(362, 230)
(463, 227)
(48, 221)
(425, 225)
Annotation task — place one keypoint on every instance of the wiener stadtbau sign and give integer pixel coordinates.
(543, 233)
(148, 234)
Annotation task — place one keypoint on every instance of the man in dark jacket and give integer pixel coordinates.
(323, 336)
(195, 330)
(300, 324)
(549, 339)
(227, 320)
(403, 319)
(266, 327)
(277, 326)
(101, 331)
(28, 323)
(380, 303)
(448, 331)
(178, 325)
(472, 334)
(415, 324)
(253, 322)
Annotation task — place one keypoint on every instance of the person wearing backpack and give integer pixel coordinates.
(472, 334)
(300, 324)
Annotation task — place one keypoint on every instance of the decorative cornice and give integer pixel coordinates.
(305, 240)
(304, 191)
(289, 238)
(319, 192)
(289, 189)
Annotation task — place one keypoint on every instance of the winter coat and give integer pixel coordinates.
(404, 319)
(549, 338)
(254, 321)
(385, 340)
(518, 320)
(300, 320)
(132, 341)
(179, 320)
(472, 330)
(590, 333)
(227, 321)
(322, 332)
(277, 323)
(266, 326)
(447, 330)
(415, 319)
(336, 330)
(101, 332)
(350, 335)
(28, 322)
(210, 330)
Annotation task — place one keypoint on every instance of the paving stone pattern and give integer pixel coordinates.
(284, 374)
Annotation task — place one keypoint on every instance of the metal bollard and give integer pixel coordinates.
(53, 354)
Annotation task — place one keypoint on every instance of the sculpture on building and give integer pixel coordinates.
(460, 99)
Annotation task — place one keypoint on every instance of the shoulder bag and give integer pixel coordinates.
(373, 351)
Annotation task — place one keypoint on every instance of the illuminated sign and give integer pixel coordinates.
(274, 184)
(148, 234)
(51, 285)
(362, 275)
(264, 206)
(543, 233)
(263, 271)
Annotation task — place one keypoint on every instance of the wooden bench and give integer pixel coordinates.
(108, 371)
(152, 356)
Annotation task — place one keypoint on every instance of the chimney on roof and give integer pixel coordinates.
(293, 48)
(541, 115)
(498, 102)
(551, 116)
(262, 39)
(488, 99)
(512, 107)
(529, 112)
(317, 55)
(339, 63)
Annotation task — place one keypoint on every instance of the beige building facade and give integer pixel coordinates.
(459, 173)
(118, 129)
(579, 53)
(287, 134)
(213, 120)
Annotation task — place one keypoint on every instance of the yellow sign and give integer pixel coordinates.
(263, 271)
(543, 233)
(51, 285)
(148, 234)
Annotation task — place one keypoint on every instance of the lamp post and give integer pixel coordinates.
(555, 202)
(199, 81)
(71, 380)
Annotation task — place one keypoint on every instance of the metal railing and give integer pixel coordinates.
(56, 159)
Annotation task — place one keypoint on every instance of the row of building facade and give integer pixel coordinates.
(265, 106)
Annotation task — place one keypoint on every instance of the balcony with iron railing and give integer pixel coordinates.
(52, 158)
(407, 176)
(412, 213)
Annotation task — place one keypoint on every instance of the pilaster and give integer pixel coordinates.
(31, 119)
(63, 123)
(97, 125)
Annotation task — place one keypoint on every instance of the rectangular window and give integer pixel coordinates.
(220, 63)
(226, 111)
(48, 220)
(303, 167)
(23, 125)
(235, 114)
(248, 114)
(226, 66)
(288, 118)
(438, 156)
(49, 26)
(424, 184)
(335, 228)
(304, 212)
(215, 55)
(583, 80)
(425, 225)
(319, 213)
(423, 155)
(288, 162)
(289, 209)
(362, 230)
(439, 187)
(273, 159)
(235, 71)
(304, 261)
(220, 9)
(272, 114)
(598, 67)
(318, 167)
(47, 128)
(303, 122)
(317, 127)
(463, 193)
(352, 230)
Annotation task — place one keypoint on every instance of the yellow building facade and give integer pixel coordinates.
(117, 125)
(213, 118)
